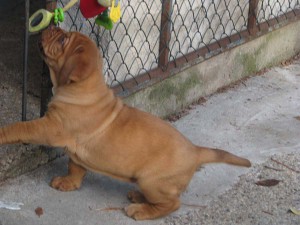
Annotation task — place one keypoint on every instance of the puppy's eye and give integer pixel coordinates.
(61, 40)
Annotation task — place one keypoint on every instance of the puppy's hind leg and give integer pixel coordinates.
(136, 197)
(72, 181)
(161, 199)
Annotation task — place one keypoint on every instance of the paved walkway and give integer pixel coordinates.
(255, 119)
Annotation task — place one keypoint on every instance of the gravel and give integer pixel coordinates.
(248, 203)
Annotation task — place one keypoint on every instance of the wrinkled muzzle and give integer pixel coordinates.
(47, 37)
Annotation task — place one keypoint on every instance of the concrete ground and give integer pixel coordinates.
(256, 119)
(14, 160)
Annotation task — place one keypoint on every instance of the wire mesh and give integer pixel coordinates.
(268, 10)
(196, 24)
(152, 34)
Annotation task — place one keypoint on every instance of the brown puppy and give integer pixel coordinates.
(102, 134)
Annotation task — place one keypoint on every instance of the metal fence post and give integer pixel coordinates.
(25, 61)
(252, 17)
(165, 33)
(46, 84)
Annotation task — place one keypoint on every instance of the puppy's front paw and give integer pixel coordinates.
(64, 183)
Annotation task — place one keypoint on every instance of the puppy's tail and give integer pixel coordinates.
(210, 155)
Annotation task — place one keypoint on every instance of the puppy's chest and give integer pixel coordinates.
(78, 152)
(85, 156)
(98, 159)
(80, 156)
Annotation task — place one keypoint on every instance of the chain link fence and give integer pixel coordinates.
(268, 10)
(154, 38)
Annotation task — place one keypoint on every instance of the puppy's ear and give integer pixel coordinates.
(76, 67)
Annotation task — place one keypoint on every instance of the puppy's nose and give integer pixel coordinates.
(49, 32)
(52, 27)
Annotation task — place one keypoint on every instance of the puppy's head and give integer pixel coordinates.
(70, 56)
